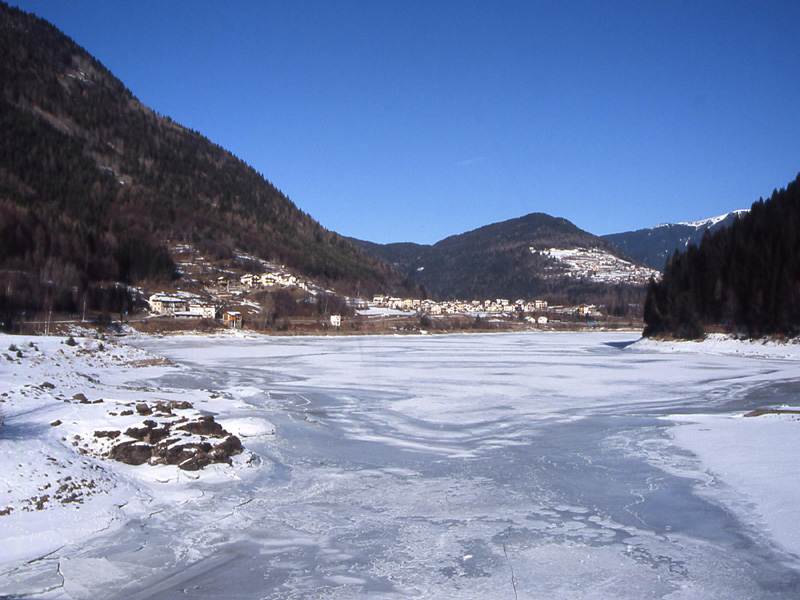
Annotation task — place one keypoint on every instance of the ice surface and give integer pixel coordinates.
(752, 456)
(460, 466)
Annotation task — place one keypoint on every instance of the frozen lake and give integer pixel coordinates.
(463, 466)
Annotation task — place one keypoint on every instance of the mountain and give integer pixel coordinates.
(514, 259)
(93, 183)
(654, 245)
(744, 278)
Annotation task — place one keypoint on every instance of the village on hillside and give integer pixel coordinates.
(235, 298)
(183, 306)
(593, 264)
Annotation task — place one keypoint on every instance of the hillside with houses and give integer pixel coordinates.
(96, 188)
(271, 297)
(596, 265)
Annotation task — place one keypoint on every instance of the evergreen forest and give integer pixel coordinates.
(744, 279)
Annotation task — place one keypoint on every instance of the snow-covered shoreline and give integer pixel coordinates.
(717, 343)
(751, 466)
(63, 407)
(749, 460)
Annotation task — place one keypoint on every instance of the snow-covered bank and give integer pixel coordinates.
(64, 404)
(753, 466)
(749, 460)
(717, 343)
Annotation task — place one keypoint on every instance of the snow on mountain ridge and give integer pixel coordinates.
(704, 223)
(714, 220)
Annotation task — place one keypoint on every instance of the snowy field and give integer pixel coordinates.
(531, 465)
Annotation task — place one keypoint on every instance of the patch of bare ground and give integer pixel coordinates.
(156, 361)
(772, 411)
(164, 325)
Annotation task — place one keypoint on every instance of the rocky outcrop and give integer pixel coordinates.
(191, 445)
(112, 434)
(150, 433)
(204, 426)
(131, 453)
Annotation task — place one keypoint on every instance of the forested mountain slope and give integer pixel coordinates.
(742, 279)
(507, 259)
(92, 183)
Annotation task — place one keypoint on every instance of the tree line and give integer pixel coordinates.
(744, 279)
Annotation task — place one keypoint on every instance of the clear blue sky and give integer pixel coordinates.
(412, 120)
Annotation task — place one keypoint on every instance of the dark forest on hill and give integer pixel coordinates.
(744, 279)
(93, 183)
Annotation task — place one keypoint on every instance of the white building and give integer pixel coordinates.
(269, 279)
(206, 311)
(161, 304)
